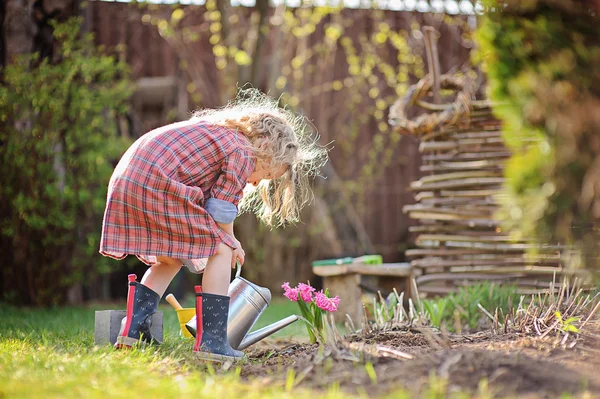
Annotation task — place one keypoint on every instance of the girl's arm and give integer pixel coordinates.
(238, 253)
(227, 228)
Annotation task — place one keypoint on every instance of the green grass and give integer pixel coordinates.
(459, 311)
(50, 353)
(279, 309)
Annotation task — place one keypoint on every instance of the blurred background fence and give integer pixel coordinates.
(341, 67)
(325, 92)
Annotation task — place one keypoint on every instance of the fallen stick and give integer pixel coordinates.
(391, 352)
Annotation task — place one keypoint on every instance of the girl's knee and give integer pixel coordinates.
(223, 250)
(169, 262)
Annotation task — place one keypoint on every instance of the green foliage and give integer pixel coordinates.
(371, 372)
(436, 310)
(314, 321)
(57, 148)
(568, 324)
(460, 310)
(541, 59)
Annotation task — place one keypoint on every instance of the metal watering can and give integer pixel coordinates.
(248, 301)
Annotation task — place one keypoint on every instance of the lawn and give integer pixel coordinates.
(50, 353)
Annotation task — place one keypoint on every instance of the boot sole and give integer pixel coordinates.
(125, 342)
(128, 342)
(215, 357)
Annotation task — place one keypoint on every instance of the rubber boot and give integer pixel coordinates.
(142, 303)
(211, 343)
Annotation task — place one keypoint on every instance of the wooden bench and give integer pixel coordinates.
(345, 280)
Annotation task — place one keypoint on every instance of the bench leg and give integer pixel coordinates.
(347, 286)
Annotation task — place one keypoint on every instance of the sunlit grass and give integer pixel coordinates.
(50, 353)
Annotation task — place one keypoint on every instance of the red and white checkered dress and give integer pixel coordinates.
(157, 195)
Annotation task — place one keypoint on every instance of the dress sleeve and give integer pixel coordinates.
(227, 191)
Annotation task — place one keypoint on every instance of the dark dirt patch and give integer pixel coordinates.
(271, 361)
(511, 364)
(405, 341)
(506, 373)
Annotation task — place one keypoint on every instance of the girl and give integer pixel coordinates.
(174, 195)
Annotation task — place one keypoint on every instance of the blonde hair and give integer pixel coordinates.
(278, 138)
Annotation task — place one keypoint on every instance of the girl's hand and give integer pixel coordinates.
(238, 254)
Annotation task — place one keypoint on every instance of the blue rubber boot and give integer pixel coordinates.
(142, 303)
(213, 344)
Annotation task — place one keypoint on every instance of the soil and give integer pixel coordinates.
(511, 364)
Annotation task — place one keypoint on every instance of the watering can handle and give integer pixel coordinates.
(238, 272)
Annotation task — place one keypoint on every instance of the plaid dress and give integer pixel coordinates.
(157, 195)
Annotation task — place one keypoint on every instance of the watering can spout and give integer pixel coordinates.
(255, 336)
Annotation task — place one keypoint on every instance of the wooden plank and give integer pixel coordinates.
(473, 211)
(474, 156)
(489, 192)
(442, 262)
(497, 275)
(384, 269)
(471, 193)
(447, 168)
(448, 184)
(438, 228)
(463, 238)
(477, 135)
(491, 247)
(453, 228)
(441, 290)
(333, 270)
(458, 175)
(467, 220)
(500, 268)
(443, 252)
(486, 144)
(470, 165)
(464, 276)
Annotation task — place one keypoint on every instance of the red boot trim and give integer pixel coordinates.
(130, 299)
(198, 318)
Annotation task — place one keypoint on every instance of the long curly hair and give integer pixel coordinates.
(279, 138)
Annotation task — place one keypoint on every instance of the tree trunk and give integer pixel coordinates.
(26, 25)
(25, 28)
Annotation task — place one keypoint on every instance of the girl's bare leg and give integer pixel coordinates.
(159, 276)
(218, 271)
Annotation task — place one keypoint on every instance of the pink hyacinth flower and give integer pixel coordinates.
(306, 292)
(290, 293)
(328, 304)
